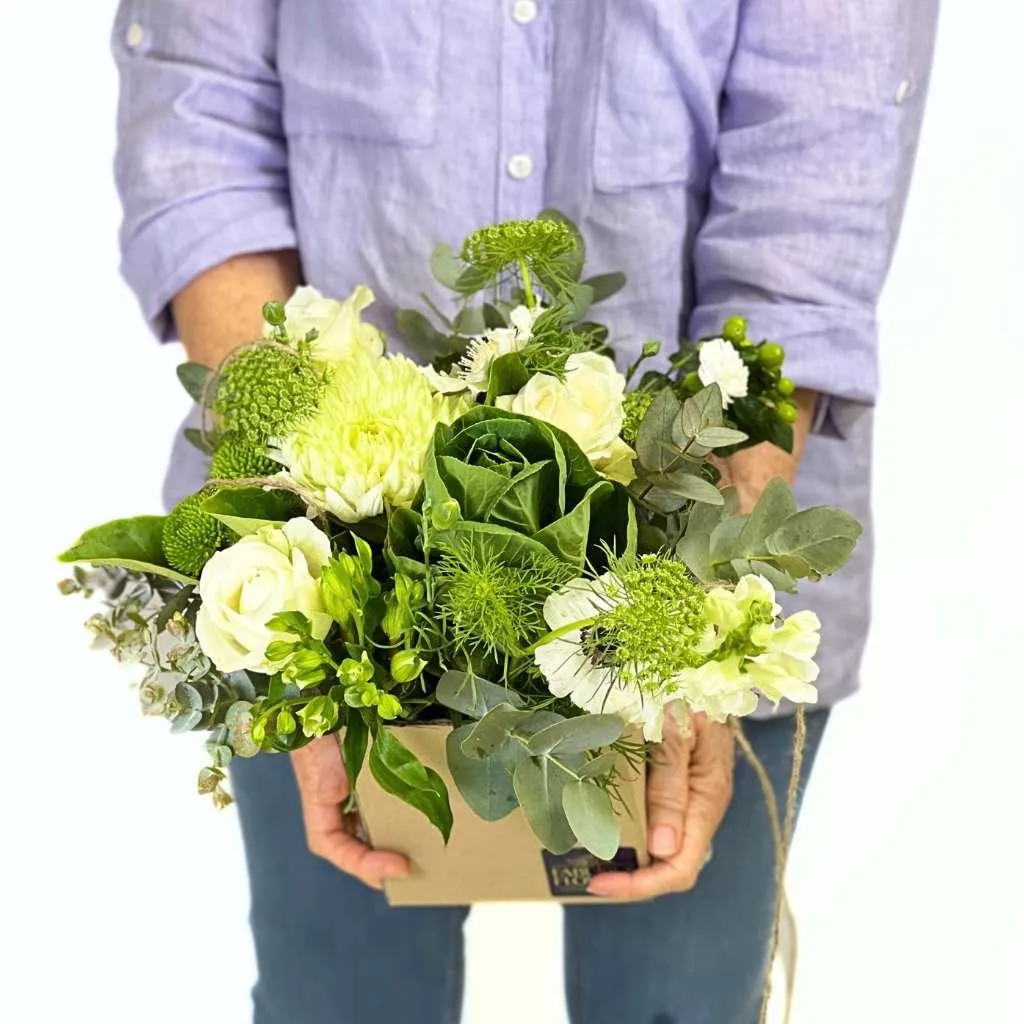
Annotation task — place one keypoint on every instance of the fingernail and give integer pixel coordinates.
(663, 841)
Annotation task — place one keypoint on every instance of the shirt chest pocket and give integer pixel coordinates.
(661, 71)
(362, 69)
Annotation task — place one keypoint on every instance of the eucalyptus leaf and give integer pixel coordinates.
(778, 578)
(538, 784)
(134, 544)
(775, 505)
(445, 265)
(600, 766)
(472, 696)
(577, 735)
(701, 411)
(694, 550)
(420, 332)
(604, 286)
(399, 772)
(485, 783)
(823, 537)
(687, 485)
(720, 437)
(588, 809)
(654, 447)
(493, 730)
(725, 537)
(469, 321)
(193, 378)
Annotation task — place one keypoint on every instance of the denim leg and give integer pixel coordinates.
(697, 957)
(328, 949)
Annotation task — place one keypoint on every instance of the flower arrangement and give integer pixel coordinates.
(508, 539)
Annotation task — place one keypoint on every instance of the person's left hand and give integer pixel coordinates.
(689, 786)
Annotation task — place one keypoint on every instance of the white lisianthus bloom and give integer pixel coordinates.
(276, 569)
(587, 405)
(786, 669)
(718, 689)
(363, 448)
(570, 673)
(721, 364)
(340, 331)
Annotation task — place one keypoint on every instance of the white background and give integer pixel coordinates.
(124, 897)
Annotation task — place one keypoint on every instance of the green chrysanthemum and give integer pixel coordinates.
(634, 407)
(265, 390)
(191, 536)
(537, 243)
(236, 458)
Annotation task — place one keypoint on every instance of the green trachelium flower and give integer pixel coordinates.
(492, 608)
(191, 536)
(538, 243)
(236, 457)
(634, 408)
(265, 390)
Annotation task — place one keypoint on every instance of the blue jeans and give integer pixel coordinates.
(330, 951)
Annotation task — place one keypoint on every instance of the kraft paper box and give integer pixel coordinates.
(485, 861)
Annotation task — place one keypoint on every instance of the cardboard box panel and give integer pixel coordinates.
(484, 861)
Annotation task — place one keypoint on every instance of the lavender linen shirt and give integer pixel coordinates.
(732, 156)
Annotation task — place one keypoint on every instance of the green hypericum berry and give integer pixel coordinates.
(735, 329)
(771, 355)
(236, 458)
(787, 412)
(191, 536)
(265, 390)
(785, 387)
(634, 407)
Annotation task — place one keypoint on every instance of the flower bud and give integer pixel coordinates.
(406, 666)
(388, 707)
(445, 515)
(352, 672)
(319, 716)
(279, 650)
(274, 313)
(285, 722)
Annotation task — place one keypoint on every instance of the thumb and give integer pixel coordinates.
(667, 791)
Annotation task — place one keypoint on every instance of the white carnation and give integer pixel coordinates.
(721, 364)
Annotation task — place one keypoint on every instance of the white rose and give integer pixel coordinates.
(587, 405)
(340, 329)
(721, 364)
(276, 569)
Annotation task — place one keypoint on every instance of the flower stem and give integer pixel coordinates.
(561, 631)
(524, 269)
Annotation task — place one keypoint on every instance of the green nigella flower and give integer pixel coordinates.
(191, 537)
(538, 243)
(237, 457)
(634, 408)
(265, 390)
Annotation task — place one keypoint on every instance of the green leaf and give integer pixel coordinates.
(588, 809)
(725, 539)
(420, 332)
(193, 378)
(493, 730)
(196, 439)
(471, 280)
(472, 696)
(522, 505)
(779, 579)
(687, 485)
(577, 735)
(402, 544)
(604, 286)
(694, 550)
(469, 320)
(576, 299)
(599, 766)
(485, 783)
(475, 488)
(823, 537)
(246, 510)
(720, 437)
(569, 537)
(539, 783)
(654, 446)
(178, 602)
(353, 747)
(491, 542)
(775, 505)
(400, 772)
(505, 376)
(129, 543)
(701, 411)
(446, 266)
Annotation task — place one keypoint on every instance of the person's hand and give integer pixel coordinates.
(689, 786)
(752, 469)
(324, 790)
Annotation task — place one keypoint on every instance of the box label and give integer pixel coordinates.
(570, 873)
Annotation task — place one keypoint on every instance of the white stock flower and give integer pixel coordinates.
(274, 570)
(786, 669)
(718, 689)
(721, 364)
(570, 673)
(470, 373)
(340, 331)
(587, 405)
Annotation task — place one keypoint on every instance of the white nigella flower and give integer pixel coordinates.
(470, 372)
(572, 673)
(721, 364)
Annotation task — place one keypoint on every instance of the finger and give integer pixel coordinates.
(667, 791)
(659, 878)
(348, 854)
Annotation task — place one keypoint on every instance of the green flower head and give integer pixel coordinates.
(236, 457)
(634, 408)
(537, 243)
(191, 537)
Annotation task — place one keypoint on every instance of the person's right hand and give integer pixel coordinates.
(324, 790)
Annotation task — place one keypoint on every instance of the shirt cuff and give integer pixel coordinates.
(175, 247)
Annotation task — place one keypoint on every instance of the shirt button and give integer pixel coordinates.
(524, 11)
(520, 166)
(134, 35)
(903, 90)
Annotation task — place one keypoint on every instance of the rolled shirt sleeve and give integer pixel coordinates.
(820, 119)
(201, 162)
